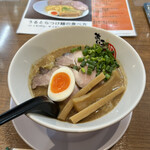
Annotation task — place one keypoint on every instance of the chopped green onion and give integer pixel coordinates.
(91, 62)
(83, 63)
(117, 65)
(83, 70)
(92, 55)
(98, 50)
(93, 58)
(99, 58)
(85, 52)
(89, 71)
(75, 49)
(80, 59)
(76, 68)
(87, 57)
(87, 47)
(95, 46)
(91, 66)
(90, 51)
(107, 76)
(104, 66)
(107, 68)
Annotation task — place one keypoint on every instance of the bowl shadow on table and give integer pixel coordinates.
(97, 138)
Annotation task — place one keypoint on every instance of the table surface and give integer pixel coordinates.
(137, 135)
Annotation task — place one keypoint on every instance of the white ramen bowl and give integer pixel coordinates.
(46, 42)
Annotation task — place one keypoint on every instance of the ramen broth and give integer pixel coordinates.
(48, 62)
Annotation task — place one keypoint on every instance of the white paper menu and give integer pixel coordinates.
(111, 15)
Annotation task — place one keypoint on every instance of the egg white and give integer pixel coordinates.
(66, 93)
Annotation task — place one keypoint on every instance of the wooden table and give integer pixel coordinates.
(137, 135)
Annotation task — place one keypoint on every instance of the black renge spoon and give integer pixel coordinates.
(41, 105)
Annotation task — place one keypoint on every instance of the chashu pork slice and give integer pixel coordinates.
(42, 79)
(54, 2)
(83, 79)
(76, 4)
(69, 59)
(79, 5)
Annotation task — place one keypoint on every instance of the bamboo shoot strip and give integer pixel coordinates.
(89, 86)
(95, 106)
(64, 113)
(84, 101)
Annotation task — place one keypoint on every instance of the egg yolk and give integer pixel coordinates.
(54, 13)
(60, 82)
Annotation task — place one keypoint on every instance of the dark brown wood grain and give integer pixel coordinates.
(137, 136)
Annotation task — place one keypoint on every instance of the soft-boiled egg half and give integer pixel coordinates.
(53, 12)
(61, 84)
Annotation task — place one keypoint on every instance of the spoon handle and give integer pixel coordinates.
(21, 109)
